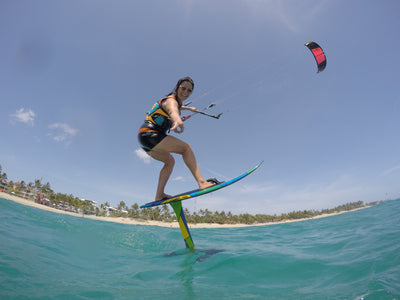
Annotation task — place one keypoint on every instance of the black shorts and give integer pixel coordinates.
(149, 138)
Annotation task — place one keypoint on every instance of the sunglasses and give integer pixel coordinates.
(186, 89)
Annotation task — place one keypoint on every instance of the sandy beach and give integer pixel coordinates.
(130, 221)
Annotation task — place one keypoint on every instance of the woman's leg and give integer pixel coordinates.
(165, 172)
(162, 152)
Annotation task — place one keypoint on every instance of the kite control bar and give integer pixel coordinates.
(212, 116)
(184, 118)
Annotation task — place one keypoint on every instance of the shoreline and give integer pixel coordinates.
(175, 224)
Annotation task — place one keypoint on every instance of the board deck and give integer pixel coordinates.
(199, 192)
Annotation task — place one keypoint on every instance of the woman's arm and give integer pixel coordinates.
(193, 109)
(171, 107)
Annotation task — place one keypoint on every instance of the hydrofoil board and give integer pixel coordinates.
(200, 192)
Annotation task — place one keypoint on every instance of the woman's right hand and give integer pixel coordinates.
(178, 126)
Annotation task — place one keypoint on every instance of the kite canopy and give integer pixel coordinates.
(318, 55)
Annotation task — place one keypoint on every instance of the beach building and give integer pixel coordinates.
(91, 207)
(18, 188)
(112, 210)
(3, 186)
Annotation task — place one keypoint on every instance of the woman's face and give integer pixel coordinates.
(184, 91)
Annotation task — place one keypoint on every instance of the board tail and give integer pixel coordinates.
(180, 216)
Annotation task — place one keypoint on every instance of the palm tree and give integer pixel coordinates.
(121, 206)
(134, 211)
(22, 185)
(165, 213)
(46, 189)
(3, 176)
(38, 184)
(155, 213)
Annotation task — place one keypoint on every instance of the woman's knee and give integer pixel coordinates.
(163, 156)
(186, 148)
(170, 161)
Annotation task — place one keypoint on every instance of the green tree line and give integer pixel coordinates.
(165, 214)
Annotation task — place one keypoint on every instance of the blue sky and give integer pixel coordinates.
(77, 78)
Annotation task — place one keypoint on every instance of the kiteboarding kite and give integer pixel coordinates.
(318, 55)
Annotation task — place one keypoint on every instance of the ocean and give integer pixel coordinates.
(45, 255)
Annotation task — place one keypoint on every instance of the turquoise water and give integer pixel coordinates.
(45, 255)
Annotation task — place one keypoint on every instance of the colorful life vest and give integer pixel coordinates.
(159, 117)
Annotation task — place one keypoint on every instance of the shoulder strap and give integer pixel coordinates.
(170, 96)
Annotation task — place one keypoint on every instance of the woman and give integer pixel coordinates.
(163, 117)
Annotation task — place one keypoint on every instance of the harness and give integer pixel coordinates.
(159, 117)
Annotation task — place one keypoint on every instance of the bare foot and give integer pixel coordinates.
(163, 196)
(205, 184)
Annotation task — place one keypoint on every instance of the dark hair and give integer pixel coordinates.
(178, 84)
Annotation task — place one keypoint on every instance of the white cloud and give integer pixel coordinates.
(391, 170)
(178, 178)
(143, 155)
(27, 117)
(62, 132)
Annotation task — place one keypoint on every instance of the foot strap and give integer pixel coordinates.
(214, 181)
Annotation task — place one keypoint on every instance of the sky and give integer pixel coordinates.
(77, 78)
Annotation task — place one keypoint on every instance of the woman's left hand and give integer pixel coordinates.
(192, 109)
